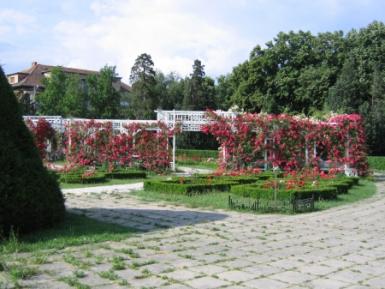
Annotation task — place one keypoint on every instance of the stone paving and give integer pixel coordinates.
(181, 248)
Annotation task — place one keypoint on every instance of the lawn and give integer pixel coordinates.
(365, 189)
(198, 164)
(377, 163)
(74, 231)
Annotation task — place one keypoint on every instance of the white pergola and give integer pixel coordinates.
(184, 119)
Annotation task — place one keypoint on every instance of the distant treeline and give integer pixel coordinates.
(295, 73)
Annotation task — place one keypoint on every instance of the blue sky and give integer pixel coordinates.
(92, 33)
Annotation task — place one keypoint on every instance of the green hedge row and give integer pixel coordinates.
(377, 163)
(186, 188)
(126, 174)
(202, 184)
(257, 192)
(77, 177)
(327, 189)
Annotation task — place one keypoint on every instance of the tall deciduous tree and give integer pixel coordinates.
(344, 96)
(49, 102)
(74, 101)
(143, 97)
(104, 98)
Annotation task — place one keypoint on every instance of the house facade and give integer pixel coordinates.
(27, 83)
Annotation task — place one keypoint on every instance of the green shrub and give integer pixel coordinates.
(376, 163)
(258, 192)
(188, 187)
(126, 174)
(30, 197)
(79, 178)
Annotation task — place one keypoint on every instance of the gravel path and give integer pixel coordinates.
(181, 248)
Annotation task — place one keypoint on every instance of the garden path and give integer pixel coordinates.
(343, 247)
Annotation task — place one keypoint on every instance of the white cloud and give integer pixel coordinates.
(166, 29)
(14, 22)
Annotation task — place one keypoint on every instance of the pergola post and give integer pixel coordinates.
(173, 165)
(347, 169)
(265, 154)
(306, 154)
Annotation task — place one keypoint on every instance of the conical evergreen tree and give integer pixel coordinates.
(30, 197)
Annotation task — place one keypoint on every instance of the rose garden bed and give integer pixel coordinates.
(267, 186)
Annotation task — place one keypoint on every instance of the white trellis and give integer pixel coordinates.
(184, 119)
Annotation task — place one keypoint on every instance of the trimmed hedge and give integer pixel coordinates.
(126, 174)
(187, 187)
(257, 192)
(78, 178)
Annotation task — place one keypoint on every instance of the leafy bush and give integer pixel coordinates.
(81, 177)
(126, 174)
(187, 187)
(30, 198)
(258, 192)
(377, 163)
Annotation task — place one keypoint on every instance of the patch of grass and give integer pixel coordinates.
(130, 253)
(74, 282)
(377, 163)
(198, 164)
(18, 272)
(215, 200)
(365, 189)
(118, 263)
(71, 259)
(74, 231)
(144, 274)
(136, 265)
(79, 274)
(110, 275)
(39, 258)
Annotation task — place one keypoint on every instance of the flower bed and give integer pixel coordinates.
(321, 190)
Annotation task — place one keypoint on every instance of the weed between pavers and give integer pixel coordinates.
(110, 275)
(74, 282)
(118, 263)
(70, 259)
(20, 272)
(136, 265)
(144, 274)
(79, 274)
(129, 252)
